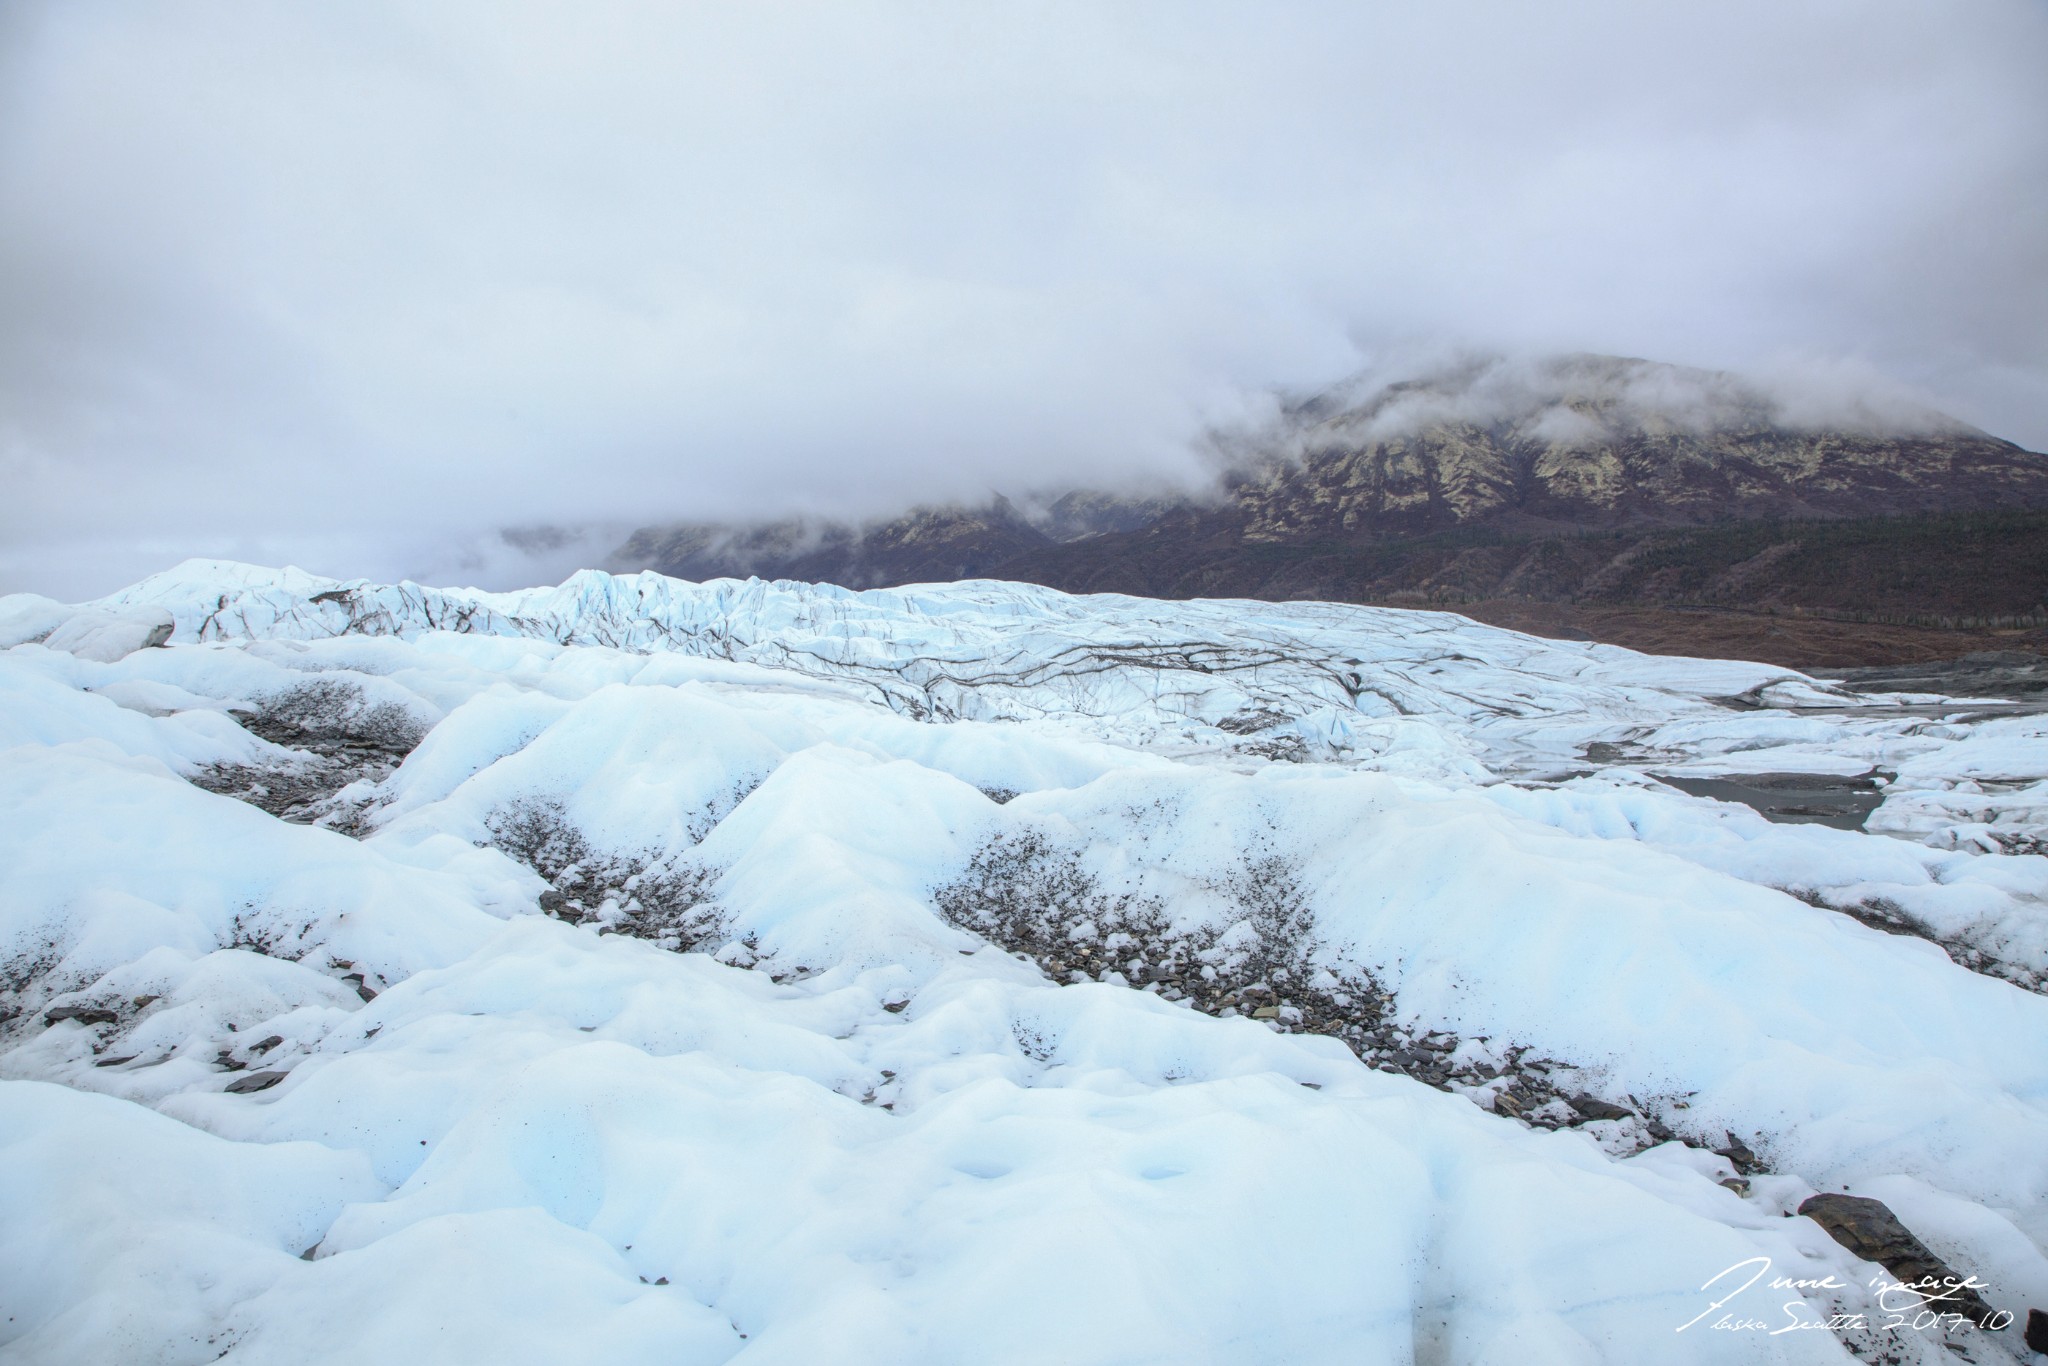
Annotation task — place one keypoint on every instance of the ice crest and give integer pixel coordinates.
(639, 970)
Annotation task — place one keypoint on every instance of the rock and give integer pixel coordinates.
(1594, 1109)
(1266, 1013)
(85, 1015)
(1869, 1229)
(1736, 1184)
(2037, 1331)
(895, 1007)
(1738, 1152)
(104, 635)
(114, 1062)
(1507, 1105)
(255, 1081)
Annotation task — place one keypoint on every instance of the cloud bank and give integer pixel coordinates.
(357, 285)
(1582, 400)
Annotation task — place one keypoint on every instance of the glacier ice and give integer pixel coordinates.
(615, 960)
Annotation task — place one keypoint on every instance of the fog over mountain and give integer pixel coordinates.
(1103, 682)
(1586, 399)
(362, 287)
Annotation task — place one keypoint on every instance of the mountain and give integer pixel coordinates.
(924, 545)
(1583, 442)
(1587, 482)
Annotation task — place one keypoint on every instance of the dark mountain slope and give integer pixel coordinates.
(1590, 483)
(1597, 441)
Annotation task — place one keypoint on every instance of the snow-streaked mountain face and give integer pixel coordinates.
(742, 971)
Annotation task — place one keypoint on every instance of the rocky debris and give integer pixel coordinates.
(1594, 1109)
(343, 738)
(85, 1015)
(1870, 1230)
(1882, 913)
(255, 1081)
(1740, 1157)
(1254, 720)
(1034, 899)
(667, 904)
(1269, 735)
(1285, 749)
(301, 794)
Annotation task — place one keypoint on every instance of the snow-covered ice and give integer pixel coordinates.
(655, 971)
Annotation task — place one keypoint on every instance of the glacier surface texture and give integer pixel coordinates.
(647, 971)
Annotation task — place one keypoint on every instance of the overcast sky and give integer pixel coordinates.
(350, 285)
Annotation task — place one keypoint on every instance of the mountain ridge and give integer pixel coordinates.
(1548, 482)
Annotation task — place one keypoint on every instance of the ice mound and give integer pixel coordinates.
(104, 635)
(29, 616)
(649, 971)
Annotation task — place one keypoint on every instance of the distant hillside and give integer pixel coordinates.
(1596, 441)
(925, 545)
(1946, 569)
(1583, 481)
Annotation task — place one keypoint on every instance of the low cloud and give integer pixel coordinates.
(354, 286)
(1580, 400)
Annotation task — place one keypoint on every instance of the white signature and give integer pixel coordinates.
(1902, 1305)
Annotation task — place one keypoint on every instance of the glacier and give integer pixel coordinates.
(637, 969)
